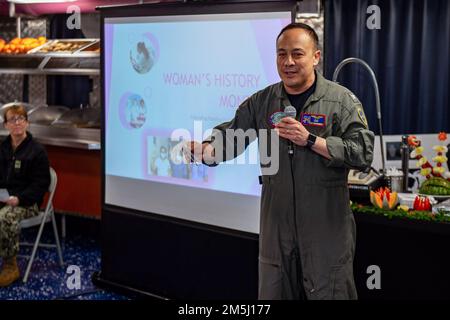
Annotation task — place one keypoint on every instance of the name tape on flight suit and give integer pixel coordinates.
(311, 119)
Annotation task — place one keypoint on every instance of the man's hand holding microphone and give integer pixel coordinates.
(291, 129)
(295, 132)
(196, 152)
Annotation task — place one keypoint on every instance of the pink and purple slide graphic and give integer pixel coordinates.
(173, 72)
(132, 111)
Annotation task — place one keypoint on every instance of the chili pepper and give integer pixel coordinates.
(422, 204)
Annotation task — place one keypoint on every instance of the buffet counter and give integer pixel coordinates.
(71, 136)
(79, 180)
(75, 155)
(410, 252)
(80, 138)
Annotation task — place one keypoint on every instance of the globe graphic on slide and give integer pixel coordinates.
(144, 53)
(132, 111)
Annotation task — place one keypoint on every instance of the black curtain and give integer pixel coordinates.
(69, 91)
(410, 57)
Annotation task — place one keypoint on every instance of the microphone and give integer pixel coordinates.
(290, 111)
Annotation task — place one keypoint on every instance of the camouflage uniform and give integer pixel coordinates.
(10, 218)
(24, 172)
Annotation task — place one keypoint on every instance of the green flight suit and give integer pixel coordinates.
(307, 230)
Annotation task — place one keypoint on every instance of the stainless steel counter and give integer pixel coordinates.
(79, 138)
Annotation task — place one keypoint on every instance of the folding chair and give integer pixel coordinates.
(41, 219)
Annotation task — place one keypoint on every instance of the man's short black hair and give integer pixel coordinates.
(304, 26)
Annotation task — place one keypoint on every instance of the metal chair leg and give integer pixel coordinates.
(33, 254)
(63, 227)
(58, 245)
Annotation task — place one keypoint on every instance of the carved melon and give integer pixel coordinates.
(383, 198)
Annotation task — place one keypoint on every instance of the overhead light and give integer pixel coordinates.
(308, 9)
(38, 1)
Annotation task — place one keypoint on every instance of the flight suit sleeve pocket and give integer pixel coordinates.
(336, 150)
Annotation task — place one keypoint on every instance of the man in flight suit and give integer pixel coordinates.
(307, 230)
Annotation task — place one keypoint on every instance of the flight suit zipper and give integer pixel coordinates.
(297, 255)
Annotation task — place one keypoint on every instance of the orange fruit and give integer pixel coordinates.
(15, 41)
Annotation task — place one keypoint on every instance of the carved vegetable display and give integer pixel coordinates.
(422, 204)
(383, 198)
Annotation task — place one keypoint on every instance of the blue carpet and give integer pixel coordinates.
(48, 280)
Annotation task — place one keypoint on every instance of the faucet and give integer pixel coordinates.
(377, 98)
(405, 162)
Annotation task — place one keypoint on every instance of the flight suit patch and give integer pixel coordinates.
(276, 117)
(311, 119)
(362, 116)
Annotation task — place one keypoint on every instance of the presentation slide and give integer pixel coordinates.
(165, 75)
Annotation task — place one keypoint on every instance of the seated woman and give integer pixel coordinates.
(24, 173)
